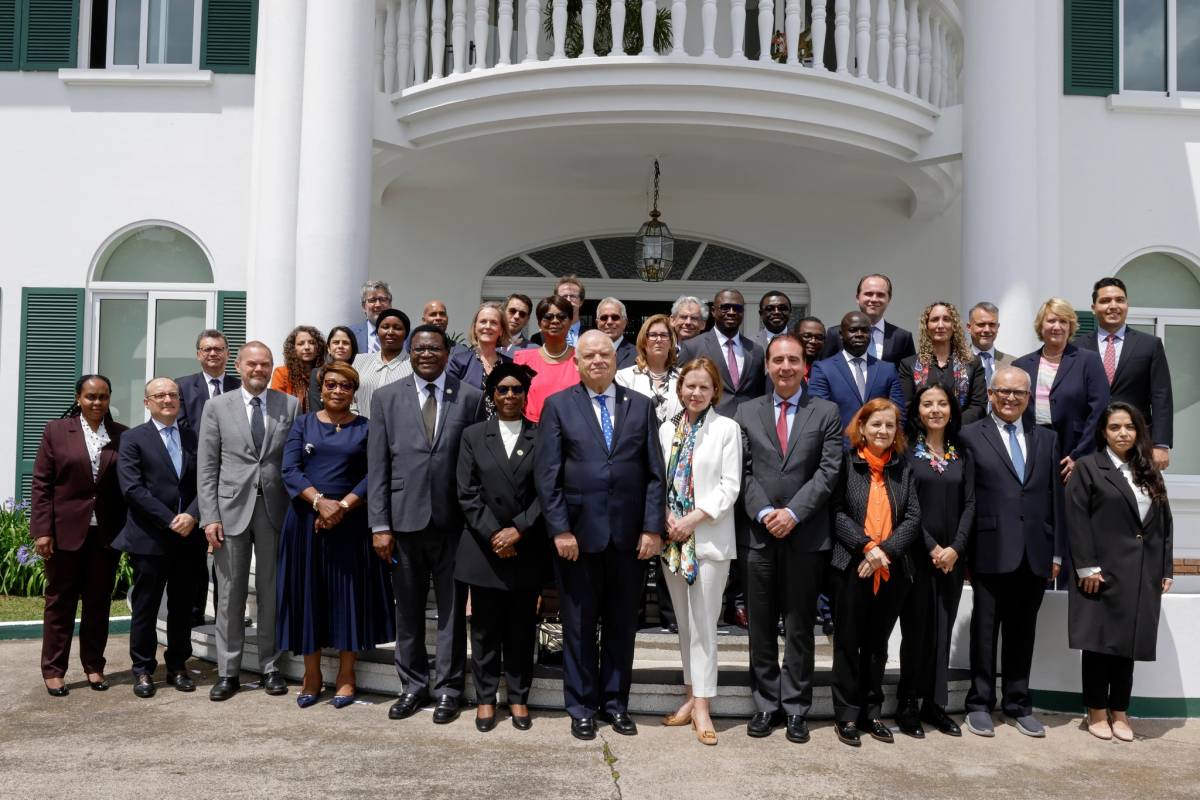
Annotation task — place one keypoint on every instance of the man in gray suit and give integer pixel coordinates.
(242, 504)
(413, 510)
(793, 457)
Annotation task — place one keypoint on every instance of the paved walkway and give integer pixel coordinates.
(113, 745)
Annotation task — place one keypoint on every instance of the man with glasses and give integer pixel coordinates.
(517, 310)
(888, 342)
(212, 351)
(611, 319)
(774, 313)
(414, 514)
(688, 317)
(811, 333)
(376, 296)
(157, 471)
(738, 358)
(1016, 547)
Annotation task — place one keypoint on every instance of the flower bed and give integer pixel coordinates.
(22, 570)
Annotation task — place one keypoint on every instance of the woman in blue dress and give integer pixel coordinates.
(333, 591)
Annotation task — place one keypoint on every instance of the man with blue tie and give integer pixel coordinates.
(599, 476)
(1014, 550)
(852, 376)
(983, 324)
(156, 467)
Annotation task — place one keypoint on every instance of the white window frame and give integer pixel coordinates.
(143, 40)
(1172, 56)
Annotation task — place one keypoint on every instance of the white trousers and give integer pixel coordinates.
(697, 612)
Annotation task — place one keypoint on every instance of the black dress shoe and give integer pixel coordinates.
(797, 729)
(584, 728)
(61, 691)
(407, 705)
(762, 723)
(99, 686)
(446, 710)
(847, 733)
(879, 731)
(940, 720)
(908, 720)
(224, 689)
(181, 681)
(484, 725)
(621, 722)
(143, 686)
(522, 723)
(274, 684)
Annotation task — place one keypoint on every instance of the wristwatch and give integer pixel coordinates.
(317, 499)
(345, 506)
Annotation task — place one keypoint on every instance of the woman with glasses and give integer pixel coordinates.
(332, 590)
(553, 362)
(654, 373)
(502, 555)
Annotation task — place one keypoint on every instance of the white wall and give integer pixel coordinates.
(81, 162)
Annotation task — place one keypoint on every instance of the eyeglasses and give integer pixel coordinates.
(518, 312)
(609, 317)
(379, 299)
(163, 396)
(738, 307)
(345, 386)
(554, 318)
(1016, 394)
(781, 309)
(571, 296)
(658, 336)
(427, 349)
(812, 337)
(507, 390)
(214, 349)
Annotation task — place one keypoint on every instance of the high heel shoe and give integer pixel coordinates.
(707, 737)
(343, 700)
(677, 720)
(61, 691)
(306, 700)
(100, 685)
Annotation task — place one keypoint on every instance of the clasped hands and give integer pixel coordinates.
(680, 529)
(567, 545)
(944, 558)
(779, 522)
(504, 542)
(329, 514)
(874, 560)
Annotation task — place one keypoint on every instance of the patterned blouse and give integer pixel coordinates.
(96, 440)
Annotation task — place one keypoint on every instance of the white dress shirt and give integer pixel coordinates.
(208, 383)
(876, 340)
(738, 356)
(510, 431)
(776, 401)
(1020, 438)
(439, 395)
(372, 338)
(247, 397)
(854, 370)
(611, 402)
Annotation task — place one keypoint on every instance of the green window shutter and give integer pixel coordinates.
(229, 36)
(1090, 47)
(10, 28)
(1087, 323)
(49, 31)
(231, 321)
(51, 362)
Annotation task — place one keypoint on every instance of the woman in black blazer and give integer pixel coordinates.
(1120, 528)
(502, 555)
(944, 357)
(1068, 388)
(877, 517)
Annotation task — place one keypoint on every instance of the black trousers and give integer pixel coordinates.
(503, 636)
(781, 579)
(599, 589)
(85, 574)
(926, 625)
(863, 624)
(204, 573)
(152, 575)
(420, 557)
(1107, 680)
(666, 611)
(1007, 603)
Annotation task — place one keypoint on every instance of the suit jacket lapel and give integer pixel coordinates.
(449, 395)
(495, 447)
(993, 438)
(848, 376)
(889, 332)
(713, 346)
(766, 413)
(803, 412)
(1114, 476)
(1128, 351)
(584, 402)
(1031, 448)
(1064, 366)
(522, 450)
(620, 412)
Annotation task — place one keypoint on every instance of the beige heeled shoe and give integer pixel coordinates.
(706, 737)
(675, 720)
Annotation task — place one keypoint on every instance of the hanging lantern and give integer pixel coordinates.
(655, 246)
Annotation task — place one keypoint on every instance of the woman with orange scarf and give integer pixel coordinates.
(876, 519)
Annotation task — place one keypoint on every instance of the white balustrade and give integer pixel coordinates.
(818, 34)
(766, 25)
(899, 45)
(678, 24)
(403, 46)
(926, 56)
(708, 26)
(617, 10)
(912, 70)
(379, 35)
(792, 20)
(458, 35)
(841, 34)
(558, 22)
(389, 48)
(883, 36)
(862, 38)
(504, 30)
(437, 38)
(649, 17)
(420, 48)
(480, 34)
(533, 27)
(935, 56)
(588, 24)
(737, 27)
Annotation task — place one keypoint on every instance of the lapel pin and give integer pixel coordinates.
(520, 452)
(449, 391)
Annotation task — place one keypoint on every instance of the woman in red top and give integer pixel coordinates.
(554, 361)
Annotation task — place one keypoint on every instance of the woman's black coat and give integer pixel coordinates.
(850, 510)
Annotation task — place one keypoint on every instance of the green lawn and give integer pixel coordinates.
(14, 609)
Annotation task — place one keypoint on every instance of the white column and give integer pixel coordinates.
(678, 23)
(389, 48)
(588, 23)
(379, 34)
(818, 34)
(480, 33)
(558, 19)
(900, 45)
(403, 45)
(737, 28)
(841, 34)
(1000, 205)
(883, 37)
(862, 38)
(649, 14)
(333, 215)
(458, 35)
(617, 10)
(274, 172)
(912, 72)
(504, 30)
(708, 26)
(793, 19)
(420, 47)
(533, 26)
(766, 30)
(437, 39)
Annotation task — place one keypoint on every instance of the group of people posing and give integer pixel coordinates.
(758, 475)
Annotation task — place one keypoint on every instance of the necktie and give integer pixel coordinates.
(606, 426)
(173, 449)
(860, 376)
(872, 349)
(1110, 357)
(734, 376)
(216, 386)
(429, 413)
(1014, 450)
(373, 342)
(989, 365)
(781, 427)
(258, 430)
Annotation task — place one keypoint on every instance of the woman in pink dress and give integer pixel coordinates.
(554, 361)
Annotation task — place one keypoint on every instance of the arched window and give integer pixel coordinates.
(1164, 298)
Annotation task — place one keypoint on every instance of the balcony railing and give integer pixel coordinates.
(908, 46)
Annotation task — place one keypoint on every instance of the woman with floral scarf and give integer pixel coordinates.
(944, 357)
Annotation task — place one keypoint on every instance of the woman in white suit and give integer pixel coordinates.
(703, 453)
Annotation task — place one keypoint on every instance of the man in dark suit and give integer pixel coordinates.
(413, 510)
(212, 351)
(376, 298)
(852, 376)
(888, 342)
(774, 314)
(1015, 549)
(738, 358)
(599, 475)
(157, 471)
(794, 455)
(983, 324)
(1135, 364)
(611, 319)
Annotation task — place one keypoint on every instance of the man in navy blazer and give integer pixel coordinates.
(837, 378)
(1016, 547)
(156, 468)
(1140, 375)
(725, 344)
(413, 511)
(599, 476)
(887, 342)
(376, 298)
